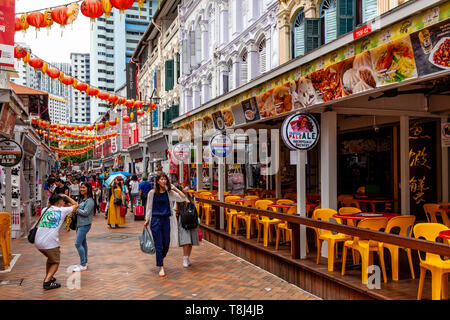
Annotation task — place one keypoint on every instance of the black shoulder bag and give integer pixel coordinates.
(32, 233)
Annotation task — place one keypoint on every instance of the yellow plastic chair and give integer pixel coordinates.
(207, 208)
(328, 236)
(405, 224)
(439, 268)
(5, 236)
(247, 218)
(288, 232)
(431, 210)
(203, 206)
(231, 213)
(365, 247)
(348, 211)
(285, 201)
(266, 222)
(347, 200)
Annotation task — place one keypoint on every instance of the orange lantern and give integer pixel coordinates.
(36, 63)
(36, 19)
(67, 80)
(48, 19)
(72, 12)
(74, 83)
(132, 116)
(26, 58)
(59, 15)
(107, 7)
(117, 120)
(122, 5)
(19, 52)
(81, 86)
(126, 118)
(107, 124)
(130, 103)
(103, 95)
(113, 98)
(53, 73)
(17, 25)
(93, 92)
(101, 125)
(44, 68)
(92, 9)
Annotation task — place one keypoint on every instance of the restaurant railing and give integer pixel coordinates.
(295, 221)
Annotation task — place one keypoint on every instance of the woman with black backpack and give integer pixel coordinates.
(187, 225)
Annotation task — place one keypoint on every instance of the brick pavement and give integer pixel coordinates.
(119, 270)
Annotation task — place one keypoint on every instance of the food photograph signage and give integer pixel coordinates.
(300, 131)
(11, 153)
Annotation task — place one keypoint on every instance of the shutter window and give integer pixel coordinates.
(176, 111)
(169, 75)
(198, 46)
(312, 34)
(185, 57)
(244, 69)
(230, 84)
(369, 10)
(225, 83)
(346, 10)
(262, 57)
(192, 49)
(177, 57)
(298, 35)
(329, 13)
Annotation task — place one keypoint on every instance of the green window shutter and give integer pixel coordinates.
(169, 117)
(176, 111)
(298, 35)
(329, 14)
(169, 75)
(178, 66)
(165, 118)
(369, 10)
(312, 34)
(346, 16)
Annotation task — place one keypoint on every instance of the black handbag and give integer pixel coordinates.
(117, 201)
(32, 233)
(73, 221)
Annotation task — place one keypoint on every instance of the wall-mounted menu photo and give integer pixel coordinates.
(432, 48)
(227, 115)
(219, 122)
(250, 109)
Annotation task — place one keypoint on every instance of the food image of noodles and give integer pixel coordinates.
(395, 62)
(327, 83)
(442, 55)
(228, 117)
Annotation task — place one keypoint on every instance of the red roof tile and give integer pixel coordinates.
(19, 89)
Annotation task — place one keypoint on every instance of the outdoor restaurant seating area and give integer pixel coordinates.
(350, 252)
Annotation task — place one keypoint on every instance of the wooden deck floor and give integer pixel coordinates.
(316, 278)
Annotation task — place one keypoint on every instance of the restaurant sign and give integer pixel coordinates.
(11, 153)
(300, 131)
(221, 145)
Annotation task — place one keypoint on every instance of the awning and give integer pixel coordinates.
(29, 145)
(157, 147)
(108, 162)
(136, 151)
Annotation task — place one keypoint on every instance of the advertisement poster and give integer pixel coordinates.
(7, 9)
(431, 47)
(300, 132)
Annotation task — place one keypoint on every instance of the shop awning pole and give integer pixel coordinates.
(278, 168)
(445, 177)
(404, 165)
(181, 175)
(301, 197)
(198, 153)
(221, 168)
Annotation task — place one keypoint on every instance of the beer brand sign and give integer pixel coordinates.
(300, 131)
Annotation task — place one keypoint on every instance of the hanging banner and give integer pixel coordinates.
(11, 153)
(7, 9)
(300, 131)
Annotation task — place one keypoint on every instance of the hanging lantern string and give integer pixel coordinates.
(49, 8)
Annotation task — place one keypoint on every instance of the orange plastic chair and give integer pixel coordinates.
(5, 236)
(365, 247)
(231, 213)
(247, 218)
(266, 222)
(431, 211)
(405, 224)
(327, 235)
(347, 200)
(439, 268)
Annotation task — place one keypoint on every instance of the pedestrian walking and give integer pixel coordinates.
(116, 193)
(61, 187)
(144, 189)
(161, 218)
(47, 239)
(74, 189)
(134, 191)
(187, 237)
(85, 213)
(95, 190)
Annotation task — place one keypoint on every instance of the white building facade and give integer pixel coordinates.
(80, 111)
(58, 109)
(224, 45)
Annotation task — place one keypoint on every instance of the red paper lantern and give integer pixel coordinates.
(153, 106)
(19, 52)
(130, 103)
(53, 73)
(17, 25)
(138, 104)
(126, 118)
(103, 95)
(140, 113)
(36, 19)
(112, 122)
(101, 125)
(81, 128)
(59, 15)
(92, 9)
(62, 127)
(122, 5)
(67, 80)
(70, 128)
(93, 92)
(90, 127)
(81, 86)
(113, 98)
(121, 101)
(36, 63)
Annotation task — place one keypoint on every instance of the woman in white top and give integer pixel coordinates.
(74, 189)
(134, 192)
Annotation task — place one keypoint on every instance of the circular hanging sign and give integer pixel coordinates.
(181, 152)
(11, 153)
(220, 145)
(300, 131)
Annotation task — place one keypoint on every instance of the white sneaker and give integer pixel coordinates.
(186, 262)
(79, 268)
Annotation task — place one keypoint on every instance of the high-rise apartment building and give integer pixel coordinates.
(58, 109)
(113, 41)
(80, 111)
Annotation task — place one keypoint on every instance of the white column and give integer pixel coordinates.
(236, 74)
(404, 166)
(328, 164)
(196, 97)
(187, 100)
(223, 25)
(198, 152)
(206, 90)
(252, 62)
(301, 198)
(253, 10)
(445, 167)
(236, 7)
(205, 41)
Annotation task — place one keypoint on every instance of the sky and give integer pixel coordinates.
(52, 47)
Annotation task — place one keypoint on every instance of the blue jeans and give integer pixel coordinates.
(134, 199)
(81, 243)
(160, 227)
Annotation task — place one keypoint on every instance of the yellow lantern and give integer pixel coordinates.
(117, 120)
(61, 76)
(26, 58)
(44, 68)
(132, 116)
(24, 23)
(72, 12)
(75, 82)
(107, 7)
(48, 19)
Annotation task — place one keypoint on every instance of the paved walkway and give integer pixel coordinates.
(119, 270)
